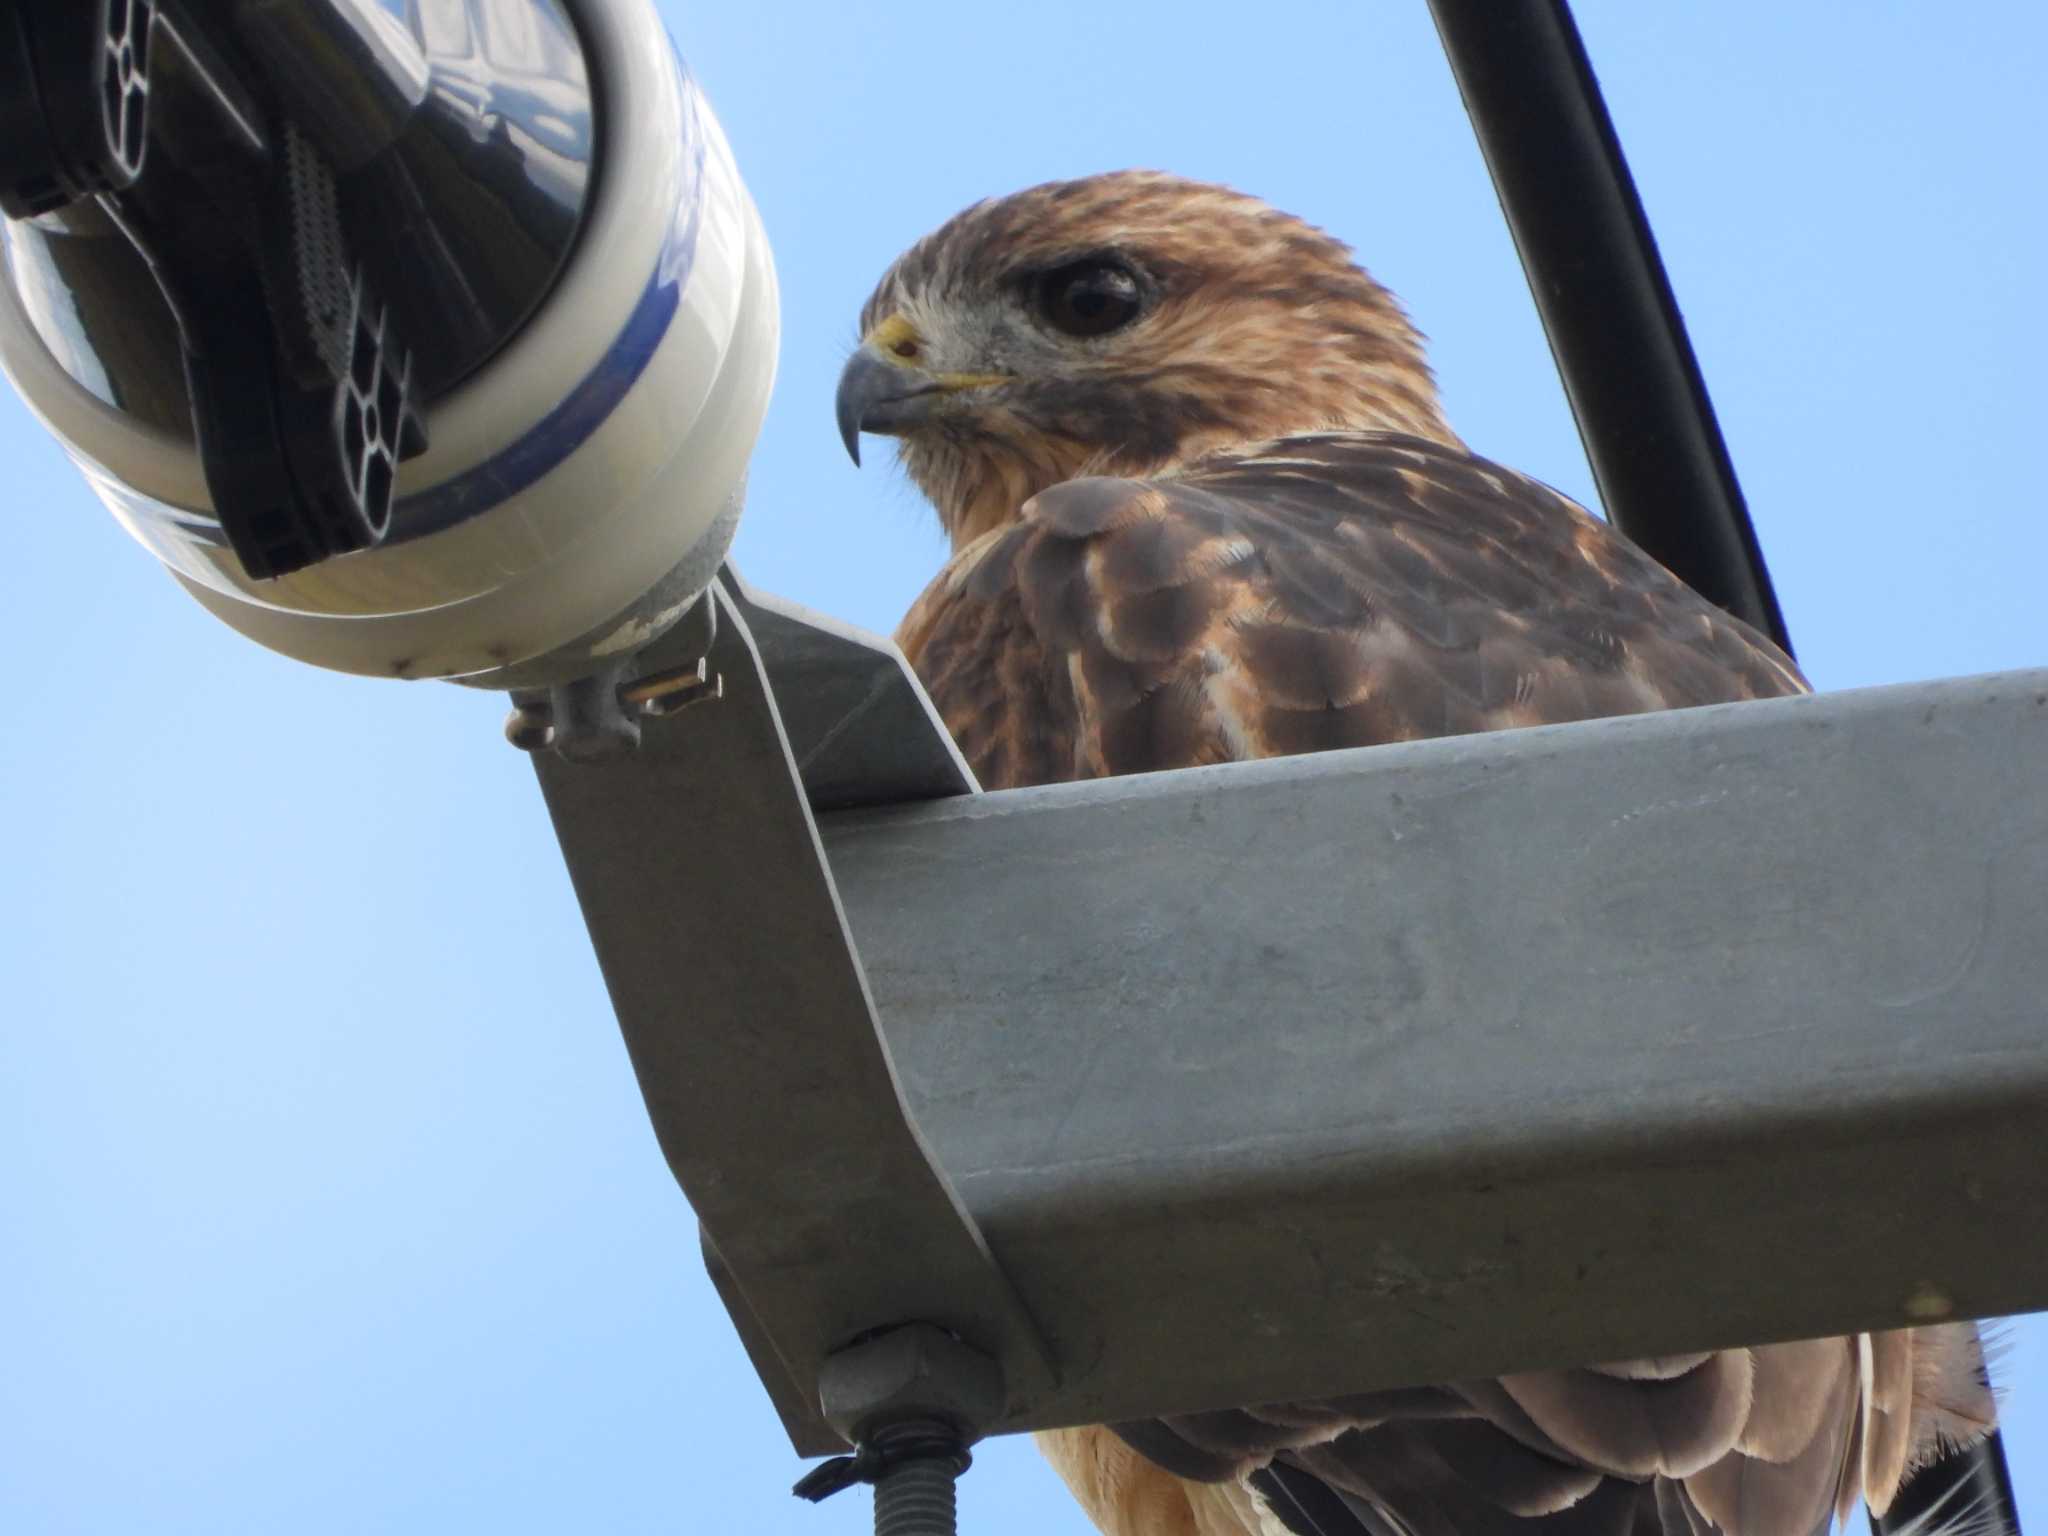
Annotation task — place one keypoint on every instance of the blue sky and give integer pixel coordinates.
(327, 1203)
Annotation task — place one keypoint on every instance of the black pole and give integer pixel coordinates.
(1635, 387)
(1961, 1489)
(1629, 371)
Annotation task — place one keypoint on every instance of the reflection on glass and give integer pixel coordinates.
(464, 220)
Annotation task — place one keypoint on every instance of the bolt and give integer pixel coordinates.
(675, 690)
(598, 716)
(911, 1400)
(531, 726)
(913, 1372)
(915, 1495)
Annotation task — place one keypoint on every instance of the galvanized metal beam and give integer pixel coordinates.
(1438, 1060)
(860, 729)
(1335, 1072)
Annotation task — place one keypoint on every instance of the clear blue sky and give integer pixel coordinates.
(327, 1203)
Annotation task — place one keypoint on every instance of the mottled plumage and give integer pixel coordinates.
(1204, 507)
(1338, 590)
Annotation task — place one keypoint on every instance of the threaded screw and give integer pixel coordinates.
(916, 1496)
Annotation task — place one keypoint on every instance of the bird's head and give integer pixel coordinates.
(1120, 324)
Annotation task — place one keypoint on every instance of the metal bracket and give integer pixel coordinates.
(748, 1017)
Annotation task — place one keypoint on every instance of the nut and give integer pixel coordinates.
(916, 1371)
(531, 726)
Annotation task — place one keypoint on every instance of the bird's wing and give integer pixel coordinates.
(1774, 1441)
(1330, 591)
(1343, 590)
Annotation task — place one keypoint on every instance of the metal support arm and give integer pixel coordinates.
(1563, 1036)
(1439, 1060)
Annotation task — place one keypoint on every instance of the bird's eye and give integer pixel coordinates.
(1090, 298)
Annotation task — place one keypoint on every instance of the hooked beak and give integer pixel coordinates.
(880, 396)
(880, 392)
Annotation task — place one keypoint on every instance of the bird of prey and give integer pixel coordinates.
(1204, 506)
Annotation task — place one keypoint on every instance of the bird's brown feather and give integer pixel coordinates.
(1334, 590)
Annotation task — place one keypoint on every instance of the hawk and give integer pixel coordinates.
(1204, 506)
